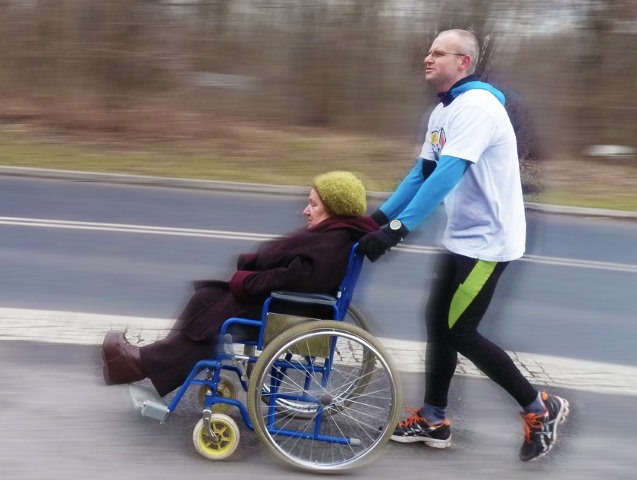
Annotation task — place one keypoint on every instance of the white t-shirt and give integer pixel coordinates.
(486, 209)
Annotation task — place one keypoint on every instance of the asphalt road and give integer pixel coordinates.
(60, 423)
(572, 297)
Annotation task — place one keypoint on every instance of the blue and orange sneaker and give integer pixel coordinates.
(416, 429)
(540, 430)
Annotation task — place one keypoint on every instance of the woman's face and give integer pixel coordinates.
(316, 211)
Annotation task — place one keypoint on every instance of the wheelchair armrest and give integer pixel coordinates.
(307, 298)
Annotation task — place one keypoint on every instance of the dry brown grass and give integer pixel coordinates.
(163, 140)
(591, 182)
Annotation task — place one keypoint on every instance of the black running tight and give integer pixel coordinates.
(461, 291)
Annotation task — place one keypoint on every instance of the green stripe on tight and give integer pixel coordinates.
(468, 290)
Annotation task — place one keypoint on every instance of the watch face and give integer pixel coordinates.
(395, 224)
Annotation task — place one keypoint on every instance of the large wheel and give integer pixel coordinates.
(224, 442)
(299, 387)
(355, 317)
(303, 410)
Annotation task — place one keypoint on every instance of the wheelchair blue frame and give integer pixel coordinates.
(339, 304)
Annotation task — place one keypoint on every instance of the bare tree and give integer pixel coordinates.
(328, 63)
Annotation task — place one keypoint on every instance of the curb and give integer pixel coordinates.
(245, 187)
(142, 180)
(580, 211)
(78, 328)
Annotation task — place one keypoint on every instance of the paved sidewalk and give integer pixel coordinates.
(89, 329)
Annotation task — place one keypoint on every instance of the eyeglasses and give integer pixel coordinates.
(438, 54)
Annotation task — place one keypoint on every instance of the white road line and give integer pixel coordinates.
(89, 328)
(117, 227)
(230, 235)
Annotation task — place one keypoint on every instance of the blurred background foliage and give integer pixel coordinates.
(278, 90)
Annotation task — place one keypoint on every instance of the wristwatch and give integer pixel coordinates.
(395, 225)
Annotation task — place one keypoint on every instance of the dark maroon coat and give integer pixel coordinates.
(307, 260)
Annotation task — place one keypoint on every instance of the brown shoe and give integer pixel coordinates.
(122, 363)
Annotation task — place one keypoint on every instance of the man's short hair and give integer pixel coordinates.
(467, 44)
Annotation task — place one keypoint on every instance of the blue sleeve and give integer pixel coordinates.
(405, 191)
(432, 192)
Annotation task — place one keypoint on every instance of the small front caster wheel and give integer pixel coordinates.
(224, 441)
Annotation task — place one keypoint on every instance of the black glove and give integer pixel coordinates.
(380, 218)
(374, 245)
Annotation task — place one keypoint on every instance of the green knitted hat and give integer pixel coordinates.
(342, 193)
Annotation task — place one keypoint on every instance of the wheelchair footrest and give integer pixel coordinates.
(148, 402)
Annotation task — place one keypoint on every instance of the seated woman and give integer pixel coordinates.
(312, 259)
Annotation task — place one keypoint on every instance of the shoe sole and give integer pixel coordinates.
(430, 442)
(561, 418)
(107, 380)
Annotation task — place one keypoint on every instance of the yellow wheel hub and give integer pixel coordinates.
(223, 441)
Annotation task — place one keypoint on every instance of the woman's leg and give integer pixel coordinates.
(169, 361)
(197, 305)
(193, 337)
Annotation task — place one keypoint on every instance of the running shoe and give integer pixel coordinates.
(416, 429)
(540, 431)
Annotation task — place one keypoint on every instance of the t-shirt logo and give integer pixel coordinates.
(438, 138)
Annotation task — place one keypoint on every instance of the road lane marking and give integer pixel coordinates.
(127, 228)
(562, 262)
(231, 235)
(89, 329)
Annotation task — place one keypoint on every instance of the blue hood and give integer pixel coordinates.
(477, 85)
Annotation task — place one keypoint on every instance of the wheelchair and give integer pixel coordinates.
(322, 395)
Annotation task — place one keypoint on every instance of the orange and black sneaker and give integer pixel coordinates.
(540, 430)
(416, 429)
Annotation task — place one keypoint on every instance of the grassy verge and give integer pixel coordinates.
(255, 153)
(261, 156)
(591, 182)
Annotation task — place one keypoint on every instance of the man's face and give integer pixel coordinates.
(445, 64)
